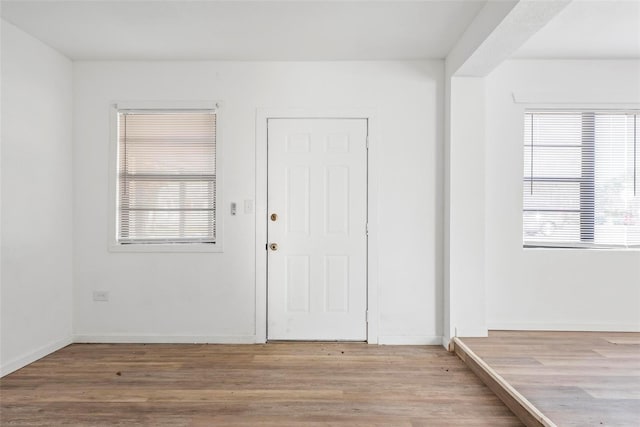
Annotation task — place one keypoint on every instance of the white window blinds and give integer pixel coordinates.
(581, 184)
(166, 176)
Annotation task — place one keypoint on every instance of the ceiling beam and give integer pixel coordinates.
(498, 30)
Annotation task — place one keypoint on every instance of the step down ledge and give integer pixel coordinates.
(517, 403)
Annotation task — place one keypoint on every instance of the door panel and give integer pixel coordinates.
(297, 200)
(317, 187)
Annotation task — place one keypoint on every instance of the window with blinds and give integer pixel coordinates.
(166, 176)
(581, 184)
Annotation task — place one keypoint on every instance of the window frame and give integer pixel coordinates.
(584, 243)
(113, 244)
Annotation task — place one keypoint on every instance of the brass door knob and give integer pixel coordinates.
(274, 217)
(273, 246)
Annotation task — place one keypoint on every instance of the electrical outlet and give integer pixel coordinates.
(101, 296)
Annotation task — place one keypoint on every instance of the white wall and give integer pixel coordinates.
(36, 267)
(551, 288)
(466, 237)
(211, 296)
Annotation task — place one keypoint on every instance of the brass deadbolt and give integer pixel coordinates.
(274, 217)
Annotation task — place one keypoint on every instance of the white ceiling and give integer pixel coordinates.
(245, 30)
(307, 30)
(589, 29)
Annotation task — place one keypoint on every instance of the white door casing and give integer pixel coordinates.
(317, 187)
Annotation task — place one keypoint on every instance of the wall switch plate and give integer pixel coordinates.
(248, 206)
(102, 296)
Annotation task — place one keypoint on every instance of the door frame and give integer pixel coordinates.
(261, 167)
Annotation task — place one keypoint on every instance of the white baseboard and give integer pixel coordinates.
(471, 332)
(31, 357)
(570, 327)
(446, 343)
(164, 339)
(409, 340)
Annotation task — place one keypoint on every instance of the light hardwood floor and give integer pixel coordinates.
(573, 378)
(277, 384)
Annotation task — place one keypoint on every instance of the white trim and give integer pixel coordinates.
(261, 226)
(163, 339)
(447, 343)
(531, 246)
(564, 326)
(112, 203)
(262, 114)
(166, 247)
(31, 357)
(553, 99)
(167, 105)
(470, 331)
(373, 325)
(410, 340)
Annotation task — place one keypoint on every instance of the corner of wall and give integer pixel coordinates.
(30, 357)
(37, 273)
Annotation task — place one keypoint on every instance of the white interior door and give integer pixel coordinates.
(317, 208)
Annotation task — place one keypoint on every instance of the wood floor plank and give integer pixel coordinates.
(278, 384)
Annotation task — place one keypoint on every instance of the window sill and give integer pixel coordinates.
(580, 248)
(165, 247)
